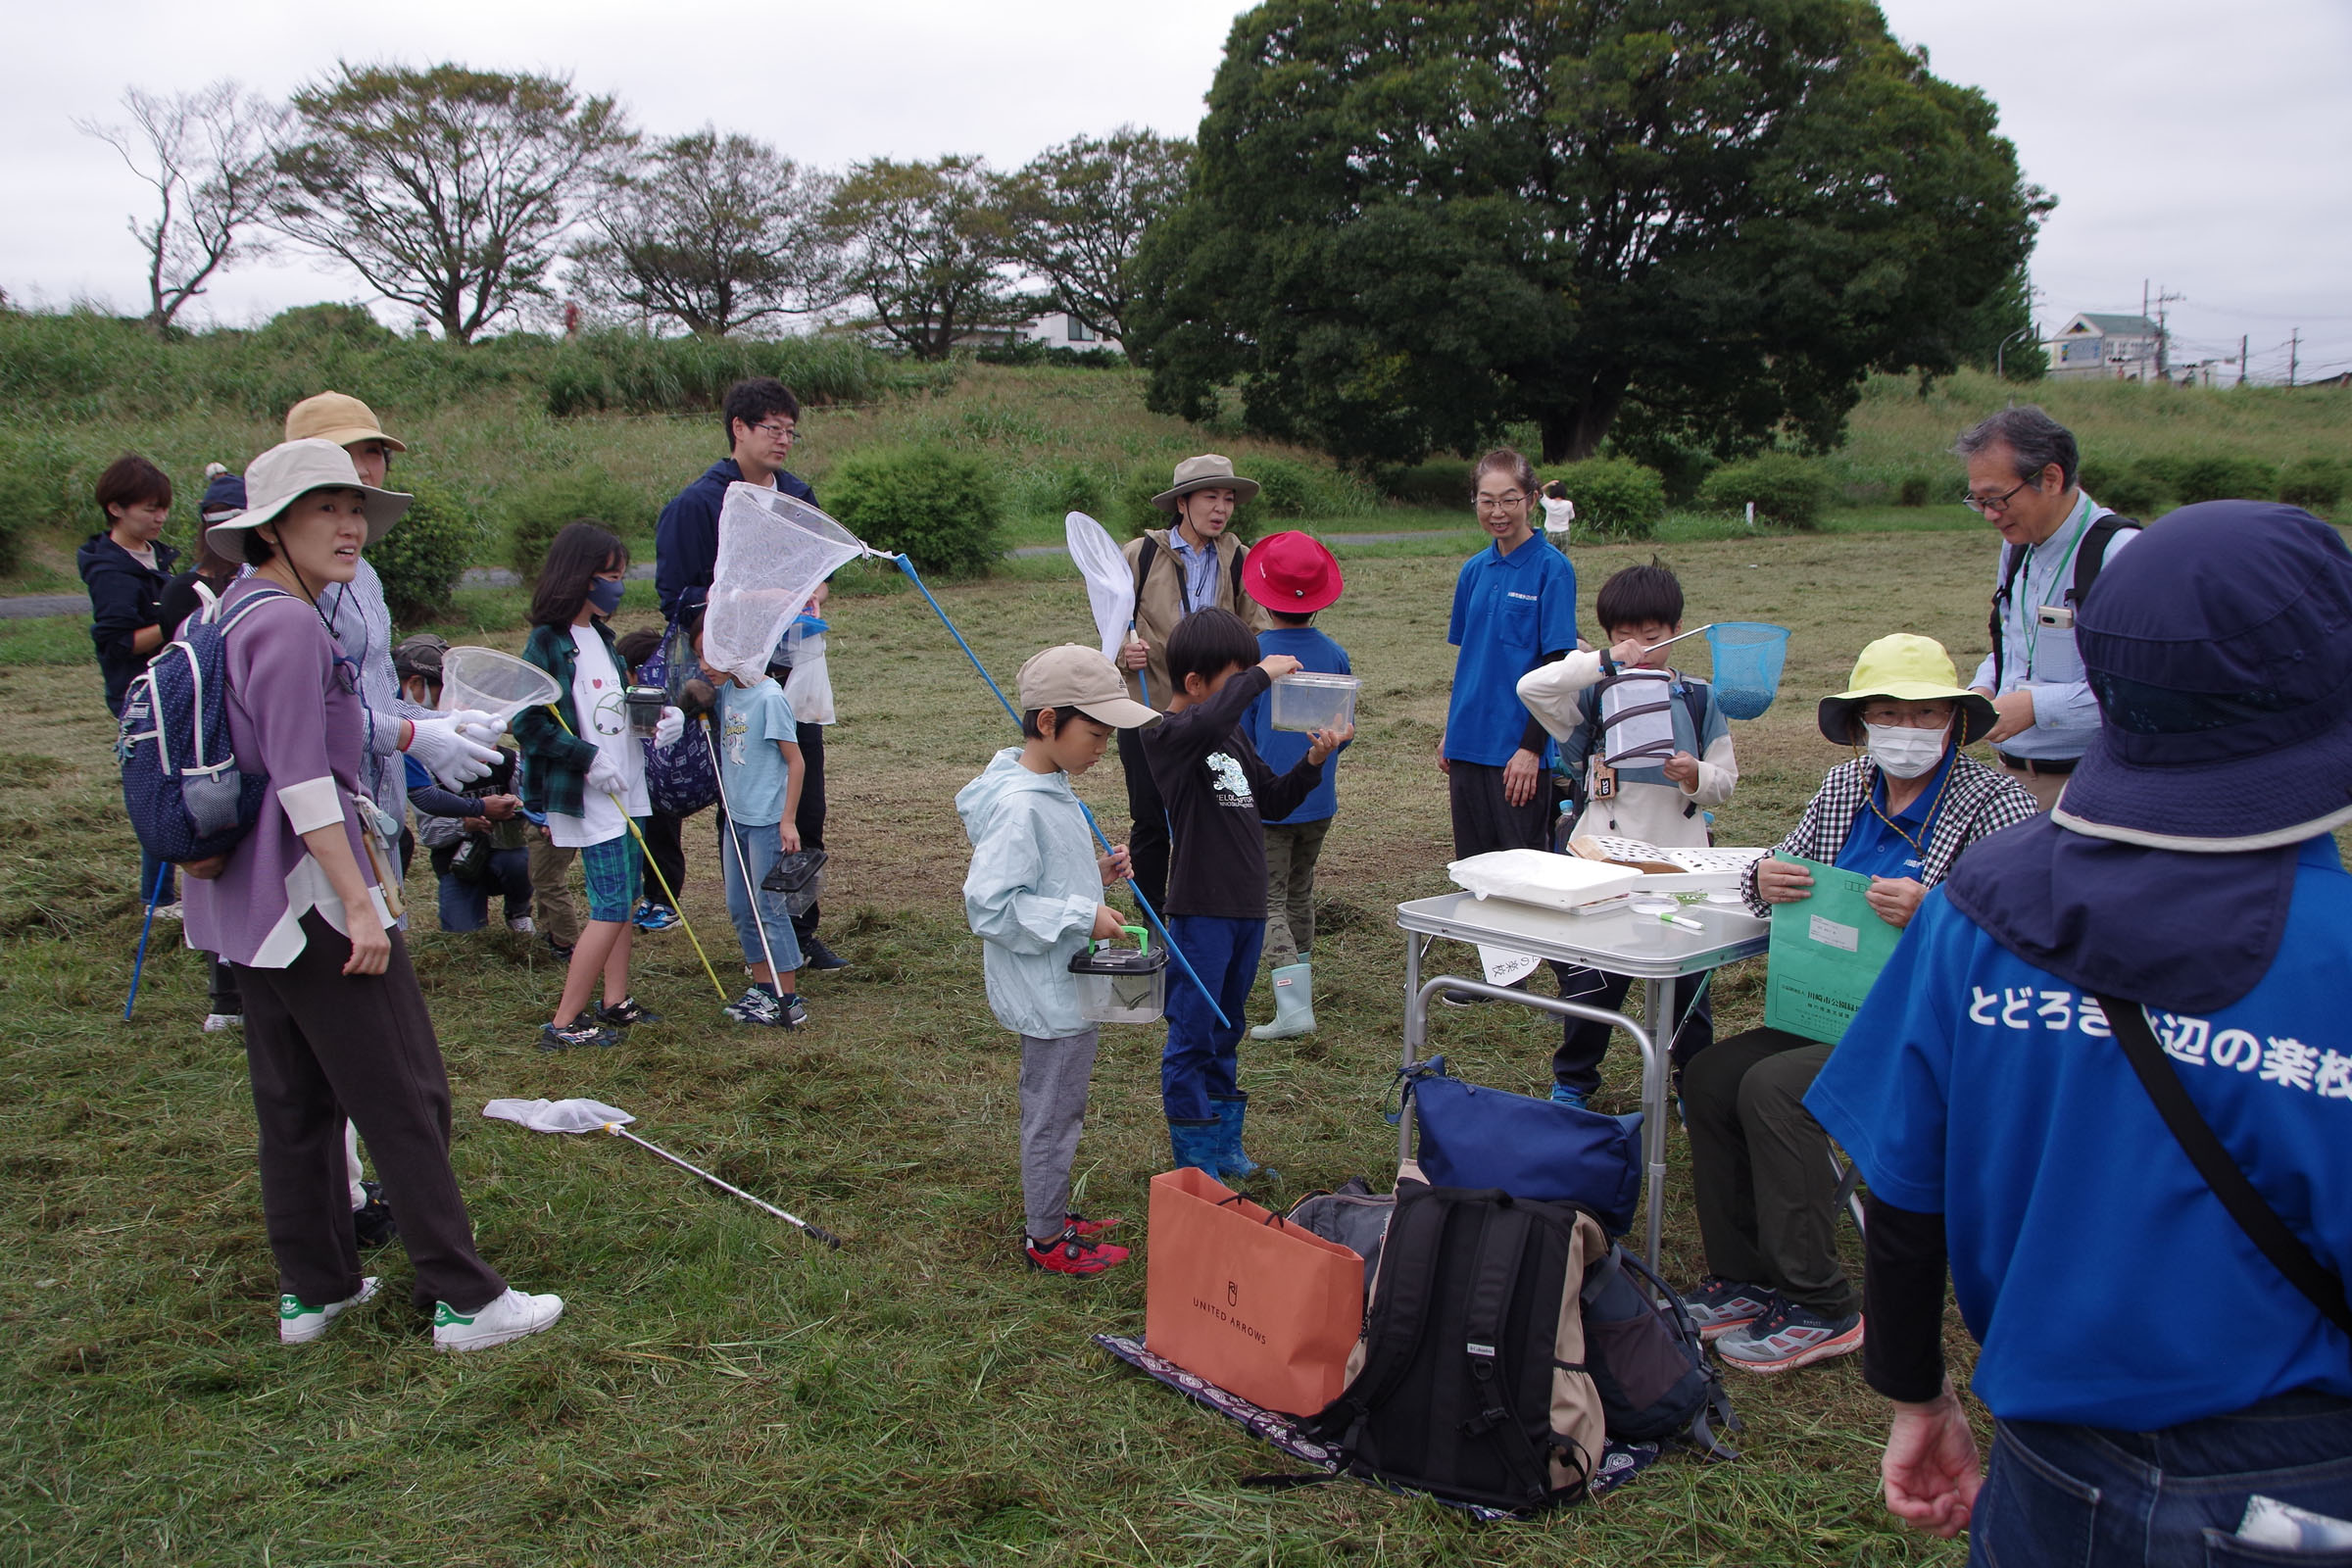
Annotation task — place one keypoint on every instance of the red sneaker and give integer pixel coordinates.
(1080, 1225)
(1072, 1254)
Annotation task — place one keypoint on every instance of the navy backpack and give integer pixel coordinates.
(181, 785)
(680, 781)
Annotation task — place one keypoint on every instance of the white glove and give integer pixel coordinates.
(447, 753)
(477, 726)
(673, 725)
(604, 775)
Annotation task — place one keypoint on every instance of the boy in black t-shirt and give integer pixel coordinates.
(1219, 795)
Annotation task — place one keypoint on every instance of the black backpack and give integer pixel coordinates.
(2089, 556)
(1648, 1361)
(1470, 1381)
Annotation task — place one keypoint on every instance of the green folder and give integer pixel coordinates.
(1826, 954)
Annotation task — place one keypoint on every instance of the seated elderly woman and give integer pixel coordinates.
(1775, 1297)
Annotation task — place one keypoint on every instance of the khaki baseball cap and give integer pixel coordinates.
(339, 417)
(1074, 675)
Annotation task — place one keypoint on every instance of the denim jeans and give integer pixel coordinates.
(465, 905)
(149, 869)
(2071, 1496)
(1201, 1060)
(763, 847)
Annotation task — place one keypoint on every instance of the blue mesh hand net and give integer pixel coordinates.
(1749, 655)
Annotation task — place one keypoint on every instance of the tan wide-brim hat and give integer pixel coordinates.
(1908, 669)
(339, 417)
(285, 473)
(1206, 472)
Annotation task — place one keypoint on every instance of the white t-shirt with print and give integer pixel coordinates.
(600, 697)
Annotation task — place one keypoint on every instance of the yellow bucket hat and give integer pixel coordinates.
(1908, 669)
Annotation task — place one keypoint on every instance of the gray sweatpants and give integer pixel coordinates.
(1054, 1075)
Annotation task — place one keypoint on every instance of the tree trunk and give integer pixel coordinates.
(1573, 434)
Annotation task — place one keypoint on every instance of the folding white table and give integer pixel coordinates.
(1614, 942)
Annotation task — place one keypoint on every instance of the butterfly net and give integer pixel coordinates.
(1109, 583)
(774, 550)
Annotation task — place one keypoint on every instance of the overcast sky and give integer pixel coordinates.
(2204, 148)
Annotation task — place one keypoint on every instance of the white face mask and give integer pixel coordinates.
(1904, 752)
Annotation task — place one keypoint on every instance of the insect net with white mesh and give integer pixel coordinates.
(1109, 581)
(774, 550)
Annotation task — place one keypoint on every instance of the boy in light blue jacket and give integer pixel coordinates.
(1034, 896)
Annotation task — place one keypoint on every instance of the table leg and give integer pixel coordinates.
(1416, 1030)
(1658, 1002)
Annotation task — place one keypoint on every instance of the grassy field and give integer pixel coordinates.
(718, 1390)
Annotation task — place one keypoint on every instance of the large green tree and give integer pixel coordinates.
(1080, 210)
(446, 188)
(928, 247)
(1410, 225)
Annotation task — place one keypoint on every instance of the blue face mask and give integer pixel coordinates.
(604, 593)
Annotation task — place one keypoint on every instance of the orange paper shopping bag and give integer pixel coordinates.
(1235, 1295)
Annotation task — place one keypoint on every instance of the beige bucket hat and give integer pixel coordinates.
(336, 417)
(1206, 472)
(292, 469)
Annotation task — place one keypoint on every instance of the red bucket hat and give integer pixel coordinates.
(1292, 572)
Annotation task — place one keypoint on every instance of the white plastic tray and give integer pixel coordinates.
(1548, 881)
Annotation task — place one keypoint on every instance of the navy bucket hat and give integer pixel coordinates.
(2220, 649)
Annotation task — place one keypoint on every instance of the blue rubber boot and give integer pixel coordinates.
(1195, 1144)
(1233, 1165)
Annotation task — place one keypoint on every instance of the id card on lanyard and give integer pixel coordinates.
(2033, 619)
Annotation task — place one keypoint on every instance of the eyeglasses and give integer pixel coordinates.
(774, 432)
(1905, 718)
(1983, 506)
(1498, 503)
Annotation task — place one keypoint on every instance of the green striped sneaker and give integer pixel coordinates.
(298, 1324)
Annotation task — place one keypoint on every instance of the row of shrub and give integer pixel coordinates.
(2154, 485)
(80, 366)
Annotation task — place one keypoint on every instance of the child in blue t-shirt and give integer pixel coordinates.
(759, 774)
(1293, 576)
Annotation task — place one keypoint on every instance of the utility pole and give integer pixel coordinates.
(2163, 339)
(2241, 360)
(2294, 347)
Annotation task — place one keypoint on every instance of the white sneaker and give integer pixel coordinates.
(298, 1324)
(521, 925)
(214, 1022)
(509, 1317)
(167, 911)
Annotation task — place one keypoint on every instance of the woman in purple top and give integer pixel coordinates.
(334, 1022)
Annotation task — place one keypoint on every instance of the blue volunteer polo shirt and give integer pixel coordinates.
(1509, 613)
(2105, 1281)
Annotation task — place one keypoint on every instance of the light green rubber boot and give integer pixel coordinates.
(1293, 1003)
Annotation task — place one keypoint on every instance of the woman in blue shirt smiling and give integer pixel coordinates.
(1514, 608)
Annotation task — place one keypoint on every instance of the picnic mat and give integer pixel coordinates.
(1620, 1462)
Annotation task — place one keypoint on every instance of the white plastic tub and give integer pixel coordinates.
(1121, 985)
(1308, 701)
(1550, 881)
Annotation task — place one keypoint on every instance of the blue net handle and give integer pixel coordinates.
(1748, 656)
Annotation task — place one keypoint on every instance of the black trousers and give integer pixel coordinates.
(322, 1045)
(1148, 818)
(1577, 1063)
(1760, 1168)
(809, 820)
(666, 847)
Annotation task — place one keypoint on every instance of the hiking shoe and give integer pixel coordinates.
(298, 1324)
(371, 1223)
(509, 1317)
(1072, 1254)
(628, 1012)
(1788, 1337)
(791, 1013)
(521, 925)
(1718, 1305)
(1080, 1225)
(214, 1022)
(657, 918)
(1562, 1095)
(756, 1005)
(581, 1031)
(561, 950)
(815, 954)
(1459, 998)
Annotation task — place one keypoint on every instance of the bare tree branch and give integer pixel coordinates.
(208, 156)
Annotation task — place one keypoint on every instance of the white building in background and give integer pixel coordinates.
(2118, 347)
(1059, 329)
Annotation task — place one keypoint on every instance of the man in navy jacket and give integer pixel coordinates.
(762, 417)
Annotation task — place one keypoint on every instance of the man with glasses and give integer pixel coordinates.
(762, 418)
(2023, 469)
